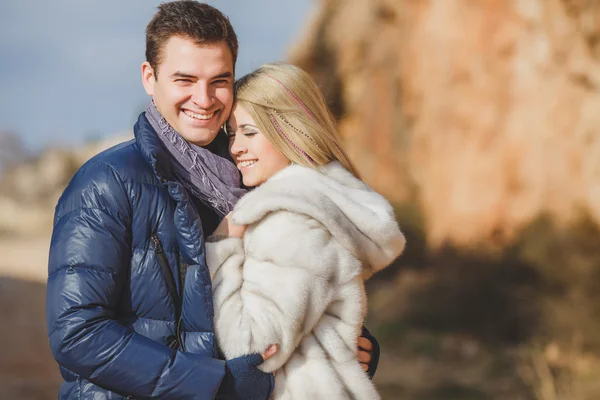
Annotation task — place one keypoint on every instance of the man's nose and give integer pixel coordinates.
(203, 97)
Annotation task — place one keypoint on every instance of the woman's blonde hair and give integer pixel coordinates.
(289, 109)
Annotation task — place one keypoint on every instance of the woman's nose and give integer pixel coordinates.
(237, 146)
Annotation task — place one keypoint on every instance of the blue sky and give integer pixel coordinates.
(70, 69)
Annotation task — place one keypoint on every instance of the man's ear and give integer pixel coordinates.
(148, 78)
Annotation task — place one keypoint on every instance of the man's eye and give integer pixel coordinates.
(182, 80)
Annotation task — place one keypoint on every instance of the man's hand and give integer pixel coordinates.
(364, 352)
(269, 352)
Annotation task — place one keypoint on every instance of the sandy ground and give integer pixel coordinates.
(24, 258)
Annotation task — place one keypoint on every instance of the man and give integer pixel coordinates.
(129, 297)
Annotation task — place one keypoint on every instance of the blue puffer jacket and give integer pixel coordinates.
(110, 314)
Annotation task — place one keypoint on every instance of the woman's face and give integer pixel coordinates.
(254, 155)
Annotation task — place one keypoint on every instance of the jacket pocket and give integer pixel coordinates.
(173, 342)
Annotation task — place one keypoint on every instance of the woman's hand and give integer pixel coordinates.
(235, 230)
(228, 228)
(364, 352)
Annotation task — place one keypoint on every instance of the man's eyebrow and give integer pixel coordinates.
(180, 74)
(227, 74)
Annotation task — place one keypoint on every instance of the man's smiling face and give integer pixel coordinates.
(193, 87)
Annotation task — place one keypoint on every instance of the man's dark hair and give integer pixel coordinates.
(188, 19)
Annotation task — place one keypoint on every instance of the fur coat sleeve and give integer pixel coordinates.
(274, 286)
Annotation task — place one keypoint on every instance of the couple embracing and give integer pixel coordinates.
(222, 252)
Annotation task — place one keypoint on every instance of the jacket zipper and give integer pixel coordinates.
(162, 259)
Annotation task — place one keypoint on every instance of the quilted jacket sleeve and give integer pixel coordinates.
(276, 291)
(88, 265)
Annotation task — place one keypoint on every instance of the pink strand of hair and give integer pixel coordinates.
(294, 96)
(278, 127)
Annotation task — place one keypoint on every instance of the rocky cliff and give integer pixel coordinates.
(483, 113)
(480, 120)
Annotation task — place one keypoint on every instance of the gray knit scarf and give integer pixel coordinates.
(210, 177)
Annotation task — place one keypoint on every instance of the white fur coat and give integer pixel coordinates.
(296, 278)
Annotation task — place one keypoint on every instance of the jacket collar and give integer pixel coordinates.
(156, 154)
(153, 151)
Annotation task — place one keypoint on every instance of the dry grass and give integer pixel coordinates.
(27, 369)
(561, 373)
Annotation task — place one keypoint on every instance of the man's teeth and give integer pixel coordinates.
(199, 116)
(247, 163)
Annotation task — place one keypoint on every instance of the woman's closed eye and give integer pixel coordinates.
(231, 135)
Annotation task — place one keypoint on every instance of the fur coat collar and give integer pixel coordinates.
(360, 219)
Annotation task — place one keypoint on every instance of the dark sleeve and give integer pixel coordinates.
(89, 263)
(374, 353)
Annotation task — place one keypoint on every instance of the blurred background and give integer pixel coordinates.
(478, 119)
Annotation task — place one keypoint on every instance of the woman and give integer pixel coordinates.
(288, 264)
